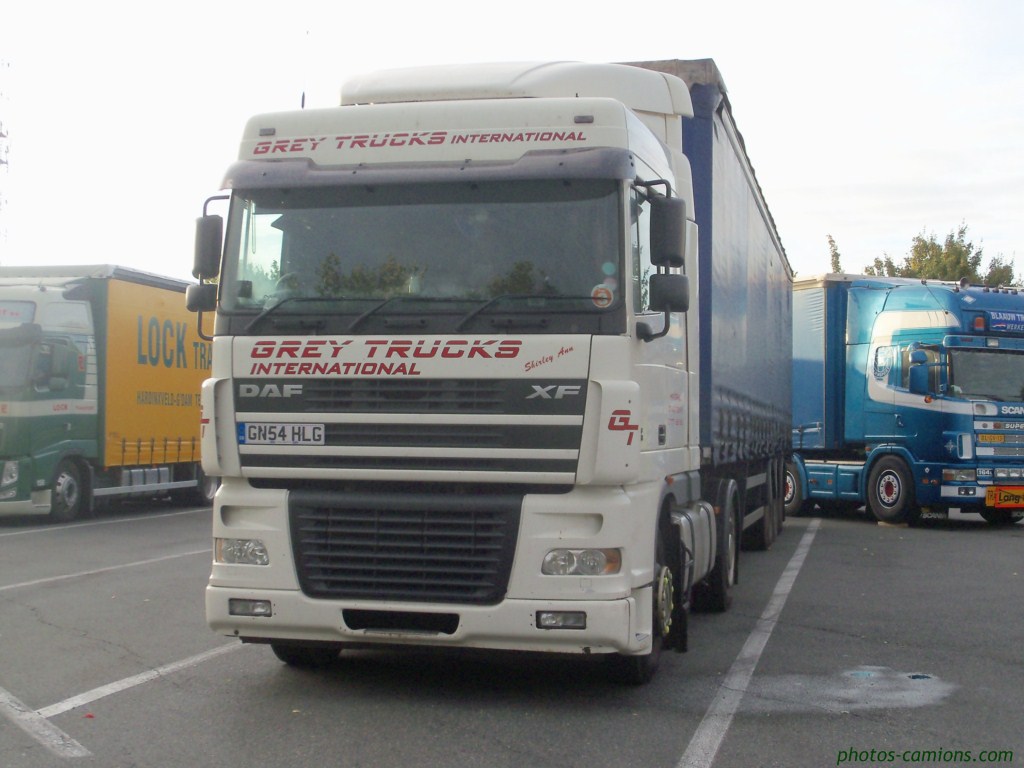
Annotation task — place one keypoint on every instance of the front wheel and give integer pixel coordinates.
(891, 491)
(793, 495)
(638, 670)
(305, 656)
(1002, 517)
(67, 500)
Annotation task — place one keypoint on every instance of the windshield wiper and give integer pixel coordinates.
(516, 297)
(982, 396)
(267, 311)
(379, 306)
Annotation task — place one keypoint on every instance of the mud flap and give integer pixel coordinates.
(695, 527)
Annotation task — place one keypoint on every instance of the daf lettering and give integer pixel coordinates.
(269, 390)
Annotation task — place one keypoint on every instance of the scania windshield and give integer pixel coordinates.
(987, 374)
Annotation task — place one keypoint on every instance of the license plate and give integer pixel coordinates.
(1004, 498)
(991, 438)
(259, 433)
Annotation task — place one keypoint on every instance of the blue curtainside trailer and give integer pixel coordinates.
(745, 324)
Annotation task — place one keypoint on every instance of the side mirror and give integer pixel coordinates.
(668, 231)
(670, 293)
(62, 358)
(919, 372)
(209, 241)
(201, 298)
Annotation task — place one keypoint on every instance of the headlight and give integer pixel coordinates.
(581, 562)
(959, 475)
(1008, 473)
(10, 476)
(241, 552)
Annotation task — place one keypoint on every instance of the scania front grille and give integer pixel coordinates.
(415, 547)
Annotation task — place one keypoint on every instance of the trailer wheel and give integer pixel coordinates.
(714, 594)
(761, 535)
(891, 491)
(305, 656)
(67, 500)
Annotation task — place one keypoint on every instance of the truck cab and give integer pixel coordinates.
(907, 395)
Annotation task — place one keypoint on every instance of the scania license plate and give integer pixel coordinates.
(275, 433)
(1003, 498)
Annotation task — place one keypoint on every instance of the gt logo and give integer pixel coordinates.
(269, 390)
(560, 391)
(620, 422)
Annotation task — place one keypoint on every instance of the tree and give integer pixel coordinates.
(833, 251)
(999, 272)
(954, 259)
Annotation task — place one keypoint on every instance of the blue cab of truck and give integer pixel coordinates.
(908, 398)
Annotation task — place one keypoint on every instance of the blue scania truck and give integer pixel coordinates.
(908, 397)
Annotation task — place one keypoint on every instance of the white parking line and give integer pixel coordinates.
(39, 728)
(701, 751)
(108, 569)
(94, 523)
(37, 724)
(130, 682)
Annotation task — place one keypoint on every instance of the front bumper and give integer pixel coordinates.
(613, 626)
(37, 504)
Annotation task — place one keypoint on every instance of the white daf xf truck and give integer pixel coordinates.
(456, 389)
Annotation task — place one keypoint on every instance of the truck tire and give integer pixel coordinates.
(305, 656)
(1001, 517)
(891, 491)
(67, 500)
(714, 594)
(639, 670)
(761, 535)
(206, 488)
(793, 497)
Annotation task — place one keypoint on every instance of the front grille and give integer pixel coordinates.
(515, 426)
(403, 395)
(1004, 451)
(417, 547)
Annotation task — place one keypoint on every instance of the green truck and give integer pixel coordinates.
(100, 372)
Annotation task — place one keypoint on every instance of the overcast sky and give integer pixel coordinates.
(872, 121)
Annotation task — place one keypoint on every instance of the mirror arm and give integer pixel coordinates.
(645, 333)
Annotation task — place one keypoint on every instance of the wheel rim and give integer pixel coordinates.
(790, 489)
(731, 549)
(889, 489)
(67, 489)
(663, 601)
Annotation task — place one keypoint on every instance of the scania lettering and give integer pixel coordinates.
(901, 388)
(99, 389)
(475, 382)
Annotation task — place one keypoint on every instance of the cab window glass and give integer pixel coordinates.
(640, 218)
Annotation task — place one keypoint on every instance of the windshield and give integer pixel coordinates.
(987, 374)
(427, 246)
(15, 366)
